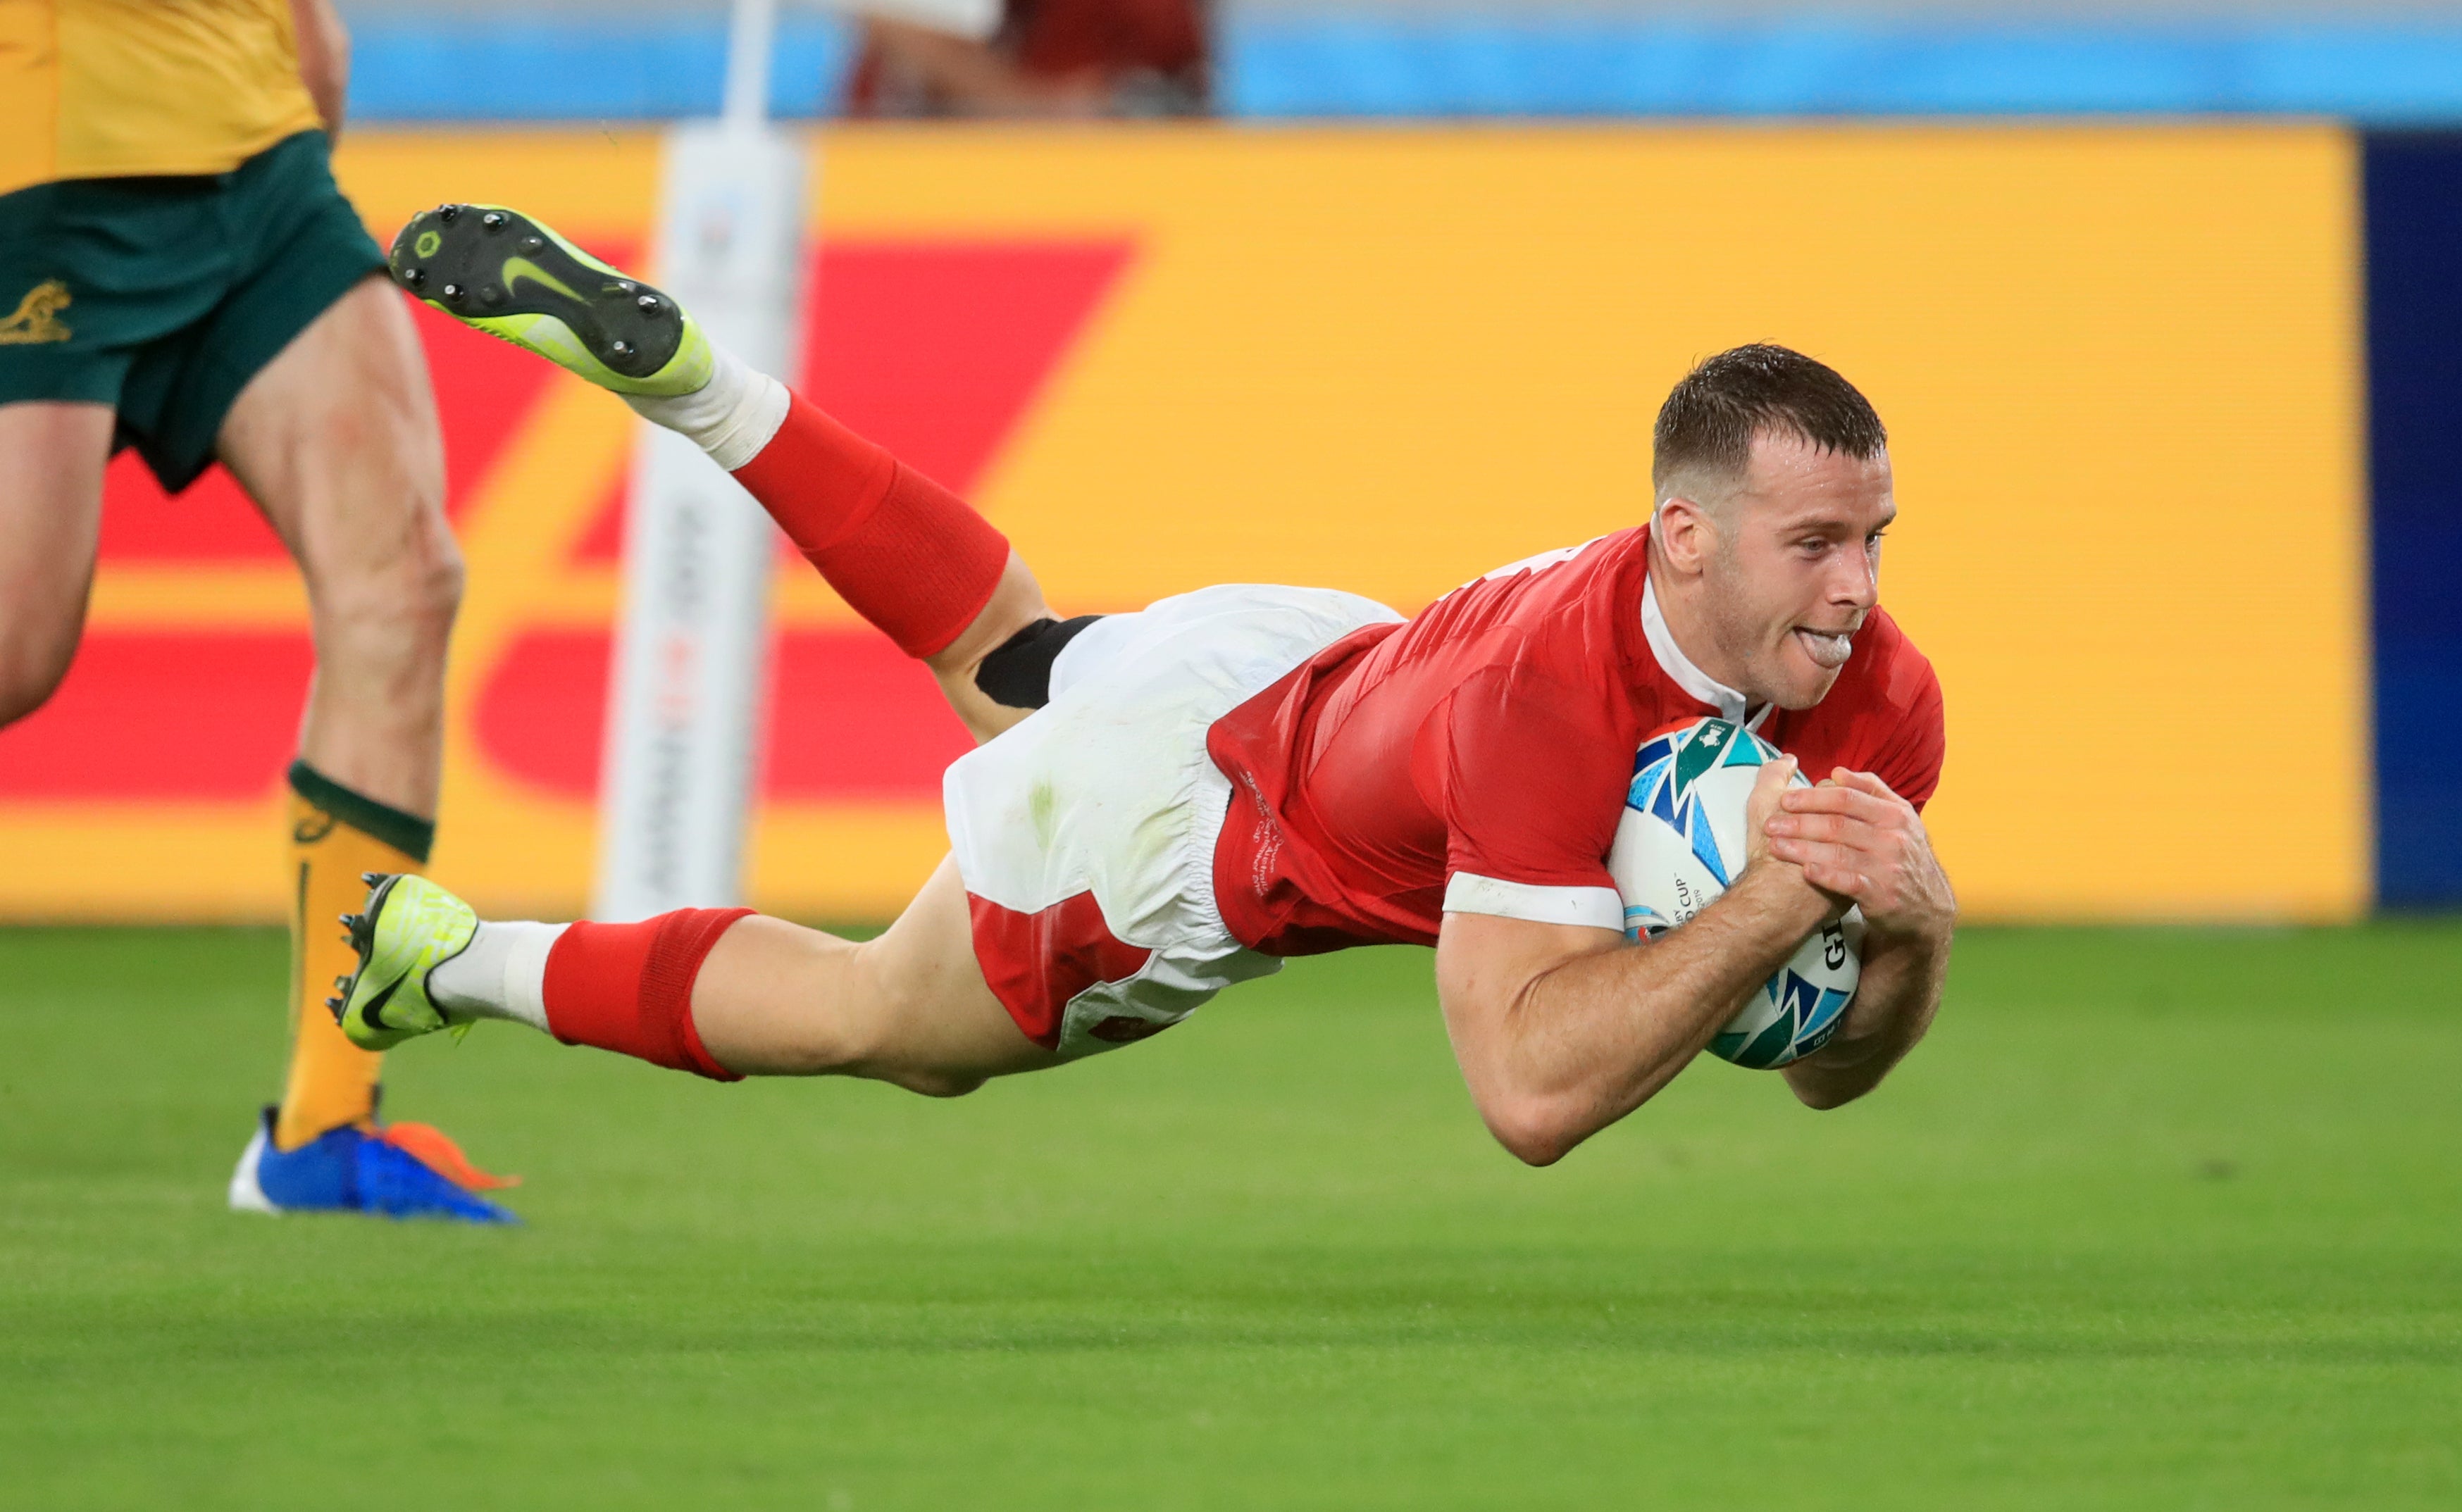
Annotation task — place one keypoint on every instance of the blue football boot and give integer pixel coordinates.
(351, 1170)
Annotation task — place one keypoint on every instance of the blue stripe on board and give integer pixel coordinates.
(1283, 66)
(539, 68)
(2414, 240)
(1596, 66)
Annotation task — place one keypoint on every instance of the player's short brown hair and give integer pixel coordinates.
(1707, 426)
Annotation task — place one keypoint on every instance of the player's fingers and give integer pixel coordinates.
(1773, 775)
(1852, 802)
(1832, 870)
(1879, 811)
(1868, 782)
(1875, 855)
(1846, 829)
(1844, 881)
(1769, 789)
(1811, 853)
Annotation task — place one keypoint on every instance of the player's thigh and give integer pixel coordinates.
(937, 1016)
(51, 514)
(335, 438)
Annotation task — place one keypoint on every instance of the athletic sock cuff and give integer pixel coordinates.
(920, 565)
(628, 987)
(912, 559)
(817, 479)
(407, 832)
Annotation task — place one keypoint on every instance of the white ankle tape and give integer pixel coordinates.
(524, 975)
(501, 974)
(731, 416)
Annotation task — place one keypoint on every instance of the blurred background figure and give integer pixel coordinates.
(1051, 58)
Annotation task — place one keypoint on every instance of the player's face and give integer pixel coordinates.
(1797, 567)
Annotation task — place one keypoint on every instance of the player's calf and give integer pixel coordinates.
(722, 993)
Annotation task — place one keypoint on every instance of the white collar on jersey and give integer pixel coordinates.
(1697, 683)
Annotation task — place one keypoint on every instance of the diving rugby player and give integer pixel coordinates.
(1168, 802)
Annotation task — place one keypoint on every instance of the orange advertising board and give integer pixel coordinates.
(2119, 367)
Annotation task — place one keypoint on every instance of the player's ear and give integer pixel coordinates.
(1686, 533)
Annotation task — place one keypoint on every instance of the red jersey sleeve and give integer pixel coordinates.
(1529, 777)
(1910, 759)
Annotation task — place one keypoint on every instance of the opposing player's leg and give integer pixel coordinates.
(907, 555)
(723, 993)
(145, 310)
(51, 515)
(335, 438)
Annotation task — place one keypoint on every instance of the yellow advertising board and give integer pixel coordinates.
(2121, 368)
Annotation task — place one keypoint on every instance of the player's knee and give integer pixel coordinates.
(22, 694)
(401, 609)
(32, 663)
(430, 579)
(437, 592)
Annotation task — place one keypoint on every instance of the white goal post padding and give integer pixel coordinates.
(684, 702)
(684, 717)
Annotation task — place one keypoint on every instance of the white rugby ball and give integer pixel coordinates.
(1680, 841)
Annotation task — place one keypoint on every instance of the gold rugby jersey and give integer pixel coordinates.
(93, 89)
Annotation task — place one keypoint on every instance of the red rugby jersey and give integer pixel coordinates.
(1475, 758)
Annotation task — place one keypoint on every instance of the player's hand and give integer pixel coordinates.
(1855, 837)
(1769, 786)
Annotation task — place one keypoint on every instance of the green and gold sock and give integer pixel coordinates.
(335, 835)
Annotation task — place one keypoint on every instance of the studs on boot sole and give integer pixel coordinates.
(622, 348)
(491, 295)
(494, 220)
(415, 277)
(449, 213)
(452, 291)
(648, 302)
(532, 246)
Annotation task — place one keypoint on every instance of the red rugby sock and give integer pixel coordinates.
(628, 987)
(908, 554)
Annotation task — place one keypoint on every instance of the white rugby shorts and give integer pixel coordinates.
(1086, 833)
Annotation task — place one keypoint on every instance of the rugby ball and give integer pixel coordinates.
(1679, 843)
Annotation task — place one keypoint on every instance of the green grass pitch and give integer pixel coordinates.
(2164, 1220)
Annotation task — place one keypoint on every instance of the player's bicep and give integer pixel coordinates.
(1529, 780)
(1486, 963)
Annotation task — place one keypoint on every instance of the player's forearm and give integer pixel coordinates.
(324, 47)
(1900, 992)
(1598, 1036)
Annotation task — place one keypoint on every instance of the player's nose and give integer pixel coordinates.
(1855, 580)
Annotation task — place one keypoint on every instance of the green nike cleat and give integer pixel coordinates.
(501, 272)
(411, 927)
